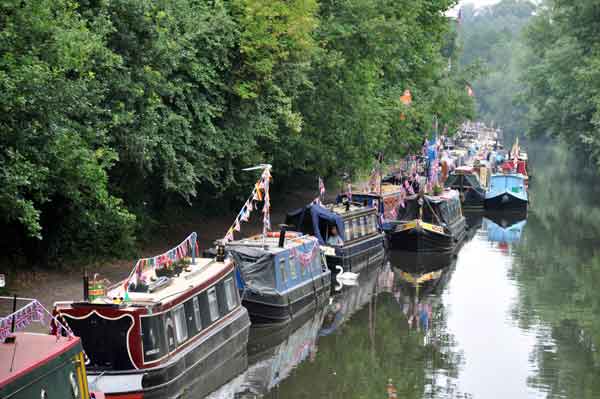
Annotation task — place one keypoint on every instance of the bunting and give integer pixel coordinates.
(33, 312)
(259, 193)
(189, 246)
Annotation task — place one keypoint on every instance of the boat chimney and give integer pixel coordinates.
(86, 286)
(282, 230)
(220, 251)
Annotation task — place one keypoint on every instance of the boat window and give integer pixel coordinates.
(197, 316)
(230, 296)
(282, 272)
(355, 228)
(170, 327)
(190, 317)
(154, 343)
(181, 330)
(213, 305)
(363, 225)
(316, 264)
(348, 229)
(374, 223)
(293, 270)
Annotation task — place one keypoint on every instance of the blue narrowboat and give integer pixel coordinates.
(507, 192)
(361, 244)
(281, 275)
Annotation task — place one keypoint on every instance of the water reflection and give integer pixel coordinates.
(557, 269)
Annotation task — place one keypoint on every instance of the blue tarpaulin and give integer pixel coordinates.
(316, 213)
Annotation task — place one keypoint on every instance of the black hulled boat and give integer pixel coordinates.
(429, 224)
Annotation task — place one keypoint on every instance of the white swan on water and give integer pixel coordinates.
(345, 278)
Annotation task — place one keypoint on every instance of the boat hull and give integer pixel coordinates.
(282, 307)
(201, 369)
(357, 257)
(506, 201)
(422, 237)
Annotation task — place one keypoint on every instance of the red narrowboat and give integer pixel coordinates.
(175, 325)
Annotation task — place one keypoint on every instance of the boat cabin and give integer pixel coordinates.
(437, 210)
(168, 317)
(386, 203)
(279, 277)
(357, 225)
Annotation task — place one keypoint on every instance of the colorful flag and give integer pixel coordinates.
(406, 97)
(321, 187)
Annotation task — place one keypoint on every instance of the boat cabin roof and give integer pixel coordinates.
(270, 243)
(202, 272)
(31, 350)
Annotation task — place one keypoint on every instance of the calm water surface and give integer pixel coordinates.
(516, 314)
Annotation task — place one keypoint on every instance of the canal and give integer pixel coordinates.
(513, 315)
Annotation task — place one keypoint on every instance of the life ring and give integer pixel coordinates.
(288, 234)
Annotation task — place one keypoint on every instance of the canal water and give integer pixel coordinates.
(516, 314)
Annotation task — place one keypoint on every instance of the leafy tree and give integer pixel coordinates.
(54, 158)
(492, 39)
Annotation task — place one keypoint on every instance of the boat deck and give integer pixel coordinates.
(205, 269)
(30, 350)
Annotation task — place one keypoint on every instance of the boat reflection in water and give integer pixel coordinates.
(418, 289)
(504, 230)
(275, 352)
(351, 299)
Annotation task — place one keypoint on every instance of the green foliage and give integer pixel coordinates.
(118, 108)
(54, 158)
(562, 74)
(492, 39)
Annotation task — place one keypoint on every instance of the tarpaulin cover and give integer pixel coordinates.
(314, 214)
(256, 267)
(410, 210)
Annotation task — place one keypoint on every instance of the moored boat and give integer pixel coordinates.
(36, 365)
(507, 192)
(282, 275)
(466, 180)
(175, 319)
(429, 224)
(360, 242)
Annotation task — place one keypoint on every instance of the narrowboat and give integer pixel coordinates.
(429, 223)
(281, 275)
(468, 182)
(386, 201)
(507, 192)
(37, 365)
(360, 242)
(175, 325)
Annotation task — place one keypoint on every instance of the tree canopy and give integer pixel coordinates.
(117, 110)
